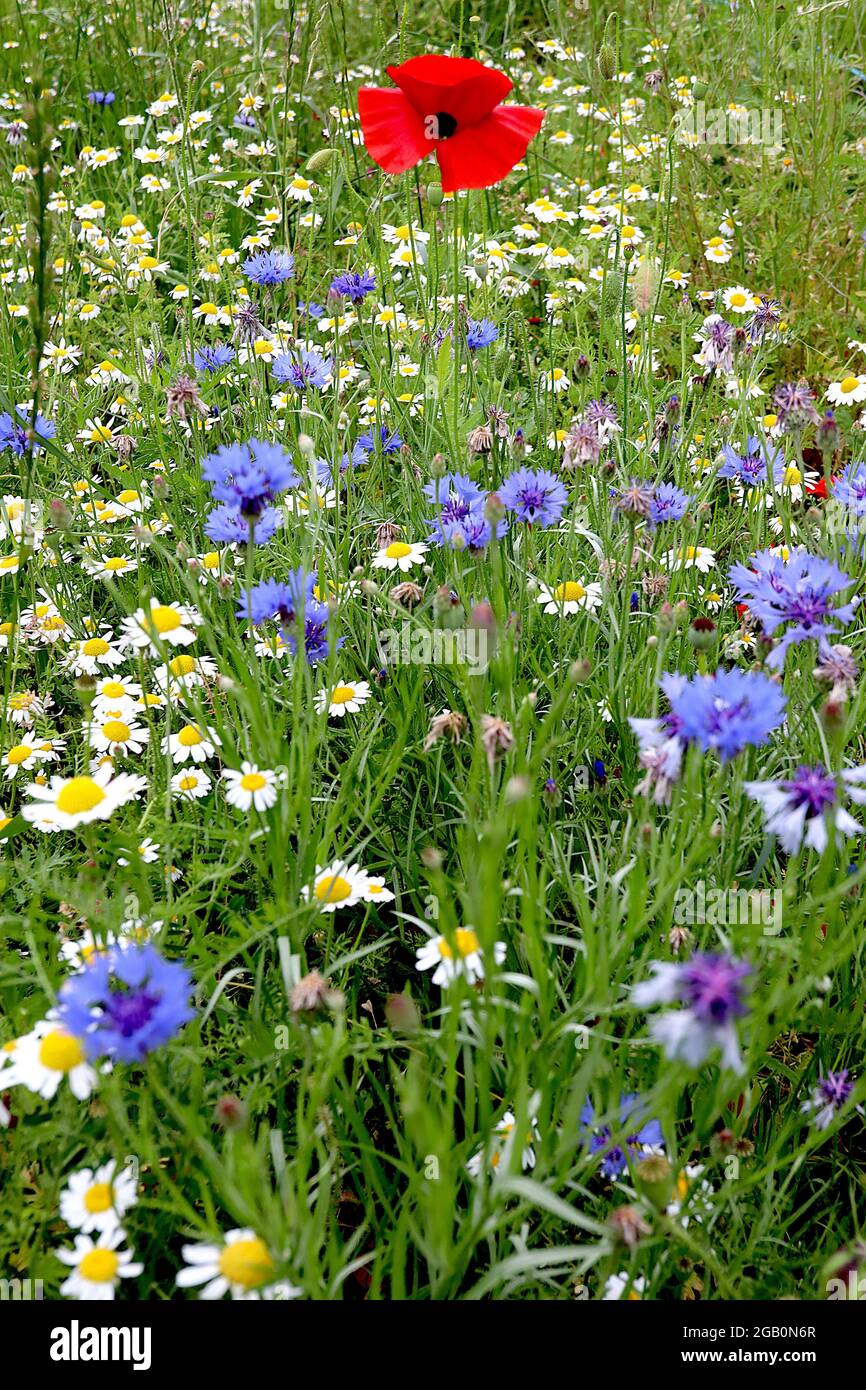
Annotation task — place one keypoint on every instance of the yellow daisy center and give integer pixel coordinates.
(113, 690)
(849, 384)
(116, 562)
(398, 550)
(59, 1051)
(253, 781)
(188, 783)
(189, 737)
(98, 1266)
(246, 1262)
(80, 794)
(342, 694)
(569, 592)
(182, 665)
(333, 890)
(98, 1197)
(116, 731)
(95, 646)
(19, 754)
(793, 476)
(163, 619)
(465, 940)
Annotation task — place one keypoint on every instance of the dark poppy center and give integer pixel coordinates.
(446, 124)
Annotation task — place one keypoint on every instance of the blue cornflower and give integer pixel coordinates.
(639, 1134)
(98, 98)
(312, 310)
(799, 592)
(849, 489)
(390, 442)
(213, 358)
(269, 267)
(317, 617)
(457, 498)
(353, 286)
(669, 503)
(480, 333)
(228, 526)
(536, 496)
(249, 476)
(726, 712)
(310, 369)
(277, 599)
(761, 463)
(13, 433)
(126, 1002)
(830, 1095)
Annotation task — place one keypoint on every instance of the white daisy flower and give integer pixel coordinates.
(341, 700)
(688, 557)
(190, 785)
(251, 788)
(570, 596)
(96, 1199)
(400, 556)
(241, 1265)
(463, 956)
(338, 885)
(194, 741)
(44, 1056)
(849, 391)
(161, 624)
(72, 801)
(97, 1265)
(115, 735)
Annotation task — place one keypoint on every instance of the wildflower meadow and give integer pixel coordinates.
(433, 761)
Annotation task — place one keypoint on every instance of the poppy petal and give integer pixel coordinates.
(461, 87)
(482, 156)
(393, 131)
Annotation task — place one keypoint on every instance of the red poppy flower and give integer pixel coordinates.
(452, 106)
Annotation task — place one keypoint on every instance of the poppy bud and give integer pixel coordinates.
(434, 195)
(320, 160)
(611, 294)
(606, 61)
(702, 634)
(654, 1178)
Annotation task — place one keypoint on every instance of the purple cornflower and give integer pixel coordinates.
(711, 988)
(128, 1001)
(799, 593)
(13, 432)
(277, 599)
(767, 315)
(390, 443)
(316, 638)
(268, 268)
(640, 1135)
(602, 415)
(725, 712)
(669, 503)
(310, 369)
(534, 496)
(718, 338)
(213, 359)
(831, 1093)
(353, 286)
(460, 508)
(325, 469)
(249, 476)
(794, 404)
(761, 463)
(634, 500)
(98, 98)
(797, 810)
(480, 333)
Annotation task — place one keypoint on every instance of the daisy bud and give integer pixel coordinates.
(230, 1112)
(434, 195)
(401, 1014)
(628, 1226)
(321, 159)
(517, 789)
(494, 509)
(654, 1177)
